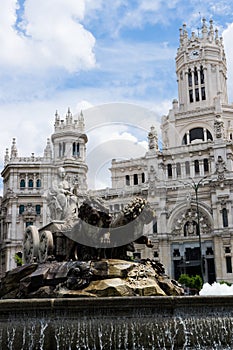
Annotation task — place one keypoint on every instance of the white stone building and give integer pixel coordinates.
(189, 182)
(26, 181)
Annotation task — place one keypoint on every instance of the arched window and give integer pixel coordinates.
(38, 183)
(75, 149)
(187, 168)
(190, 77)
(195, 76)
(22, 183)
(169, 170)
(63, 149)
(197, 135)
(30, 183)
(60, 149)
(206, 165)
(196, 166)
(178, 169)
(224, 217)
(202, 75)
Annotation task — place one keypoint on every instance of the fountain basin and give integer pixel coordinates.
(190, 322)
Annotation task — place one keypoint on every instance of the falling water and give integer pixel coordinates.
(130, 323)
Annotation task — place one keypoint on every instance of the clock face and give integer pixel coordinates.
(194, 54)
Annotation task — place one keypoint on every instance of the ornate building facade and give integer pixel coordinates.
(189, 182)
(27, 180)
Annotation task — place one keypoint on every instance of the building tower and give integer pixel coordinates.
(189, 181)
(69, 147)
(26, 181)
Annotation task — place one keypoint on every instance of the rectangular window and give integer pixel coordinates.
(135, 179)
(197, 95)
(228, 264)
(203, 97)
(38, 209)
(63, 149)
(143, 178)
(202, 75)
(206, 165)
(224, 217)
(127, 180)
(169, 170)
(21, 209)
(190, 96)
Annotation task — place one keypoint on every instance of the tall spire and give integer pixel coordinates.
(14, 151)
(6, 158)
(48, 150)
(69, 117)
(211, 31)
(81, 120)
(204, 29)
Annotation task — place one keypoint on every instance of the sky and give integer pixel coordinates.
(113, 59)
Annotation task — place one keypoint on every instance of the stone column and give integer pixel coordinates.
(201, 167)
(183, 174)
(174, 175)
(192, 172)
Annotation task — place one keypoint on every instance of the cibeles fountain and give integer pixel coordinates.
(79, 287)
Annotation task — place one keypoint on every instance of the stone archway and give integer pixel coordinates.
(183, 220)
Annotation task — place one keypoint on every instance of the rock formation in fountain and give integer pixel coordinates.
(87, 255)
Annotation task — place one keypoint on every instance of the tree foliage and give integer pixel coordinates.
(191, 281)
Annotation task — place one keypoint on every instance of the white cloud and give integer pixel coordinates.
(115, 130)
(227, 37)
(51, 36)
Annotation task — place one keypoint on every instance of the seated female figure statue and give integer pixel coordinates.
(61, 200)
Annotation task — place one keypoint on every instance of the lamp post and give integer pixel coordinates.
(196, 186)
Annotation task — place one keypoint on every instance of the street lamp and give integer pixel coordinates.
(196, 186)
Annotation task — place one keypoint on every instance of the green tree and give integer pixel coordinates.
(191, 281)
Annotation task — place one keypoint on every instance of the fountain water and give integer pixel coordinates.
(117, 323)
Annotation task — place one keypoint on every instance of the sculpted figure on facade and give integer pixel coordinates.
(153, 139)
(218, 127)
(220, 168)
(62, 202)
(190, 228)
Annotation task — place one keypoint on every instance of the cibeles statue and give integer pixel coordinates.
(62, 202)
